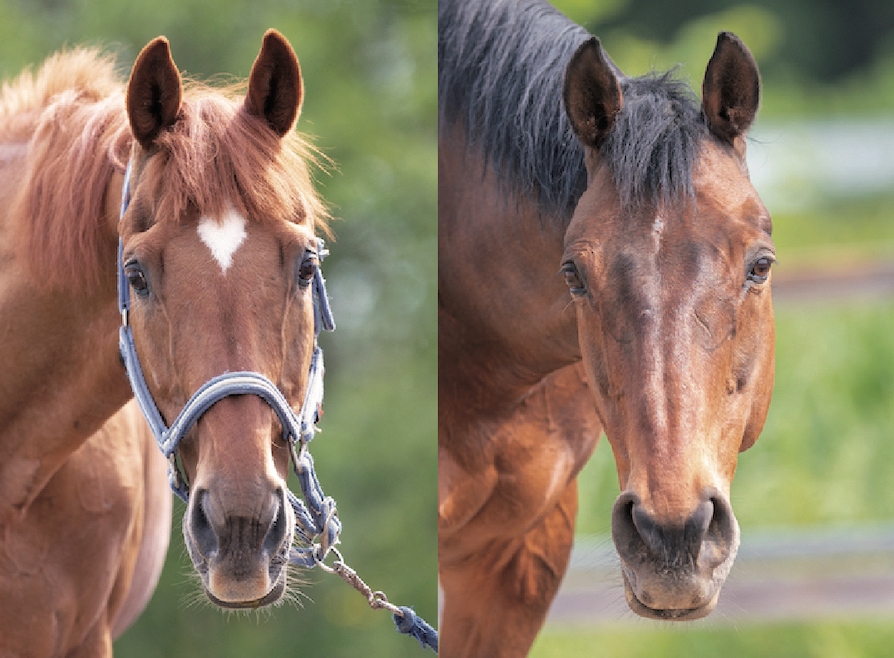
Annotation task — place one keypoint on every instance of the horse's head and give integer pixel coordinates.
(219, 252)
(668, 261)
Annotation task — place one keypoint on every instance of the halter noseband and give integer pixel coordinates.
(319, 516)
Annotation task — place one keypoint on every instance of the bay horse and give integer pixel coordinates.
(218, 245)
(604, 263)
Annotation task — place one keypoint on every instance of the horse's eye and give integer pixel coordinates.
(573, 279)
(307, 269)
(760, 270)
(137, 278)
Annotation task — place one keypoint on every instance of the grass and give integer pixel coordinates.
(866, 639)
(826, 454)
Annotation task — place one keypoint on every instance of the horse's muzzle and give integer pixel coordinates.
(241, 558)
(674, 570)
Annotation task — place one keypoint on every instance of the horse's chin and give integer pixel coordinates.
(274, 595)
(668, 614)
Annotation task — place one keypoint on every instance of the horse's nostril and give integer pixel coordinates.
(720, 536)
(201, 529)
(627, 536)
(650, 532)
(696, 527)
(278, 532)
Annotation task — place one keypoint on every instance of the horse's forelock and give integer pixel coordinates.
(653, 146)
(217, 155)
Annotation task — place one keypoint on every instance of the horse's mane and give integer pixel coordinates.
(71, 114)
(500, 75)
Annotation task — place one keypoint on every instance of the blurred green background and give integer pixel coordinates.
(826, 457)
(821, 156)
(370, 105)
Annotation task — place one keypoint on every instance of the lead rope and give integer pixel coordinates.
(316, 517)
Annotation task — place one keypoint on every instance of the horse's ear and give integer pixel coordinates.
(154, 92)
(592, 93)
(275, 89)
(732, 88)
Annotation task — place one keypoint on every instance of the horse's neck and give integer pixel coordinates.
(505, 318)
(61, 374)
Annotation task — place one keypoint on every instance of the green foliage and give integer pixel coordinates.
(692, 46)
(819, 40)
(825, 455)
(842, 229)
(818, 58)
(370, 106)
(868, 639)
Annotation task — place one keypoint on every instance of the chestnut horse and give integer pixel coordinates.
(218, 248)
(604, 263)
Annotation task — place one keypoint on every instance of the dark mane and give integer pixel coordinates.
(501, 68)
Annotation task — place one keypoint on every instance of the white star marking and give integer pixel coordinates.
(223, 237)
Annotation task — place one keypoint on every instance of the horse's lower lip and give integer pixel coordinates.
(270, 597)
(681, 614)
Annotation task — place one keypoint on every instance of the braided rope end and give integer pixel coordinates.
(409, 623)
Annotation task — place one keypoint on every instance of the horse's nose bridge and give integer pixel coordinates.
(669, 420)
(236, 437)
(670, 474)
